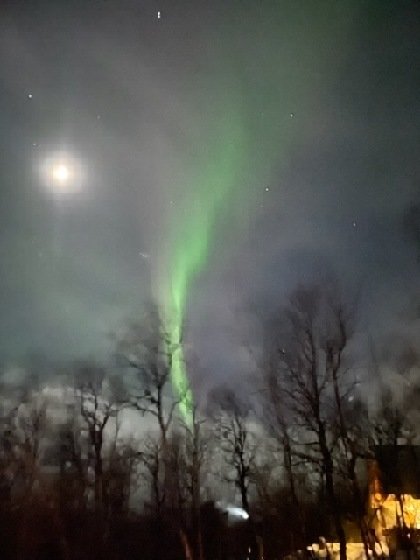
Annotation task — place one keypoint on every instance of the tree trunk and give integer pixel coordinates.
(293, 494)
(335, 510)
(330, 491)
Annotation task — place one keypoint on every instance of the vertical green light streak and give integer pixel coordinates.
(215, 183)
(252, 128)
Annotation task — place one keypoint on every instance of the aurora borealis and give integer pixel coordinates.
(233, 162)
(217, 180)
(220, 176)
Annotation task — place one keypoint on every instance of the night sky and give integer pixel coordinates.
(218, 154)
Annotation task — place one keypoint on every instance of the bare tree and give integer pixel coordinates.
(391, 419)
(121, 473)
(9, 455)
(96, 409)
(237, 440)
(313, 384)
(30, 423)
(148, 349)
(274, 418)
(195, 452)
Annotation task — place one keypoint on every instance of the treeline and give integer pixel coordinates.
(112, 463)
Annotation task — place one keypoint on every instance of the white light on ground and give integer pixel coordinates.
(237, 512)
(232, 511)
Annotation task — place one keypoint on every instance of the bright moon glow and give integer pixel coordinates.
(61, 173)
(64, 176)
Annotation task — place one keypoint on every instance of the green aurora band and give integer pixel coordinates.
(223, 175)
(218, 182)
(247, 137)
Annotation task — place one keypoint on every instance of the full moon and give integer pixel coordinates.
(62, 173)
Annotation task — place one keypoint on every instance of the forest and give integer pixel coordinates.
(110, 461)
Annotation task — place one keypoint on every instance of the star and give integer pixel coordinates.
(30, 95)
(292, 115)
(158, 14)
(267, 189)
(354, 224)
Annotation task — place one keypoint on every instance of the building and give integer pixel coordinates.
(394, 493)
